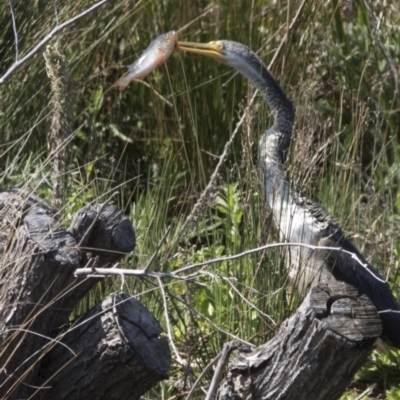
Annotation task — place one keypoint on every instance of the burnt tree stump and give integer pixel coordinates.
(38, 261)
(113, 352)
(38, 291)
(315, 354)
(103, 235)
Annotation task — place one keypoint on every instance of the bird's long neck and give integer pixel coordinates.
(274, 143)
(276, 140)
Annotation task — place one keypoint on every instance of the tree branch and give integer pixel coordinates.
(141, 272)
(18, 63)
(388, 58)
(15, 31)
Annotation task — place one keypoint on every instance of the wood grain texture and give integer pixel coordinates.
(38, 289)
(119, 354)
(315, 353)
(38, 263)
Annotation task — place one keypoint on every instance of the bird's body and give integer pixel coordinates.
(299, 219)
(155, 55)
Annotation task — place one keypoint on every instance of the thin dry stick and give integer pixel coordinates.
(223, 360)
(175, 274)
(209, 321)
(200, 377)
(157, 249)
(15, 31)
(389, 59)
(103, 272)
(210, 188)
(287, 32)
(20, 62)
(160, 96)
(267, 246)
(228, 280)
(169, 333)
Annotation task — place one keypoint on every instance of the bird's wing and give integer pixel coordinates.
(351, 267)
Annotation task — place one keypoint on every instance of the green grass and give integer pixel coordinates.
(154, 160)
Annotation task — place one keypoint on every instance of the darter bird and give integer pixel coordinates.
(299, 219)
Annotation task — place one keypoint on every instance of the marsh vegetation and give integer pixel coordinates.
(152, 149)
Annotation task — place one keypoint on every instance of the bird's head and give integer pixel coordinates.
(234, 54)
(231, 53)
(215, 49)
(240, 57)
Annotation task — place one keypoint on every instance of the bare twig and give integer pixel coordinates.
(140, 273)
(20, 62)
(56, 13)
(15, 31)
(223, 360)
(171, 340)
(89, 230)
(178, 298)
(133, 272)
(269, 246)
(285, 38)
(389, 59)
(210, 188)
(229, 281)
(200, 377)
(157, 249)
(175, 274)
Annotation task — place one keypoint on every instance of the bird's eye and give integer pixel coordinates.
(166, 36)
(218, 44)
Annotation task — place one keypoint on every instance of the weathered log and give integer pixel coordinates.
(118, 354)
(104, 231)
(103, 235)
(38, 263)
(14, 205)
(315, 353)
(37, 285)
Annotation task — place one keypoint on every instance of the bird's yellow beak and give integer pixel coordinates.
(211, 49)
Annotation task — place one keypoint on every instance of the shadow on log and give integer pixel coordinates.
(315, 354)
(38, 290)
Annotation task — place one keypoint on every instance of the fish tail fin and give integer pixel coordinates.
(122, 83)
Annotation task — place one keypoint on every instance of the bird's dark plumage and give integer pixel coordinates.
(299, 219)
